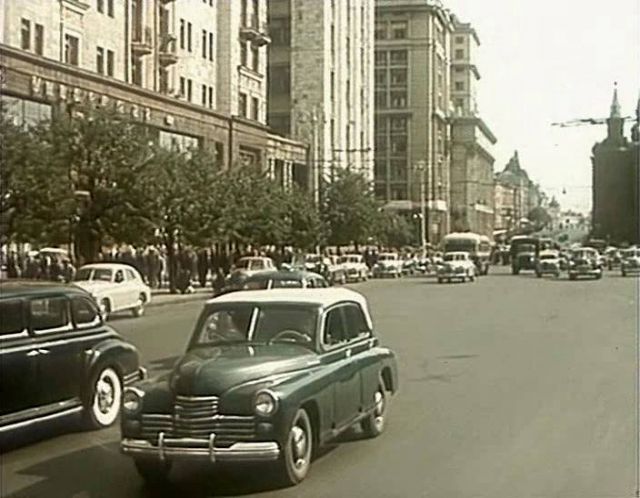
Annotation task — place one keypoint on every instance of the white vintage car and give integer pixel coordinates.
(356, 268)
(630, 261)
(457, 265)
(389, 264)
(115, 287)
(548, 263)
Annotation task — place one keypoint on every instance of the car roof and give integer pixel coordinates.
(462, 236)
(254, 258)
(109, 266)
(464, 253)
(284, 275)
(319, 297)
(19, 288)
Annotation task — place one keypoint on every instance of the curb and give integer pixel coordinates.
(178, 299)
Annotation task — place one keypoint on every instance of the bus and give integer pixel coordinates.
(478, 247)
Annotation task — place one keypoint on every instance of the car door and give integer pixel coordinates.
(346, 378)
(18, 360)
(60, 348)
(133, 285)
(119, 290)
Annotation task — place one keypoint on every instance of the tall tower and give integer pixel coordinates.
(615, 123)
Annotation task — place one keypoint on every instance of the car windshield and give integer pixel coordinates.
(388, 257)
(244, 264)
(266, 323)
(454, 257)
(548, 256)
(526, 248)
(313, 258)
(459, 245)
(84, 274)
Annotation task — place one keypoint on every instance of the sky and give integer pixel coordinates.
(546, 61)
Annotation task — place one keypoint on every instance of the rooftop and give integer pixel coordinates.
(318, 297)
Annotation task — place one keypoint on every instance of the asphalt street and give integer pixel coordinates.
(510, 387)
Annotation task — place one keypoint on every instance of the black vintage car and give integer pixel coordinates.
(57, 357)
(268, 376)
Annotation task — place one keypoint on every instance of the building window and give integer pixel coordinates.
(381, 58)
(398, 98)
(110, 8)
(244, 54)
(460, 103)
(182, 33)
(459, 53)
(255, 58)
(189, 32)
(242, 104)
(100, 6)
(381, 31)
(459, 39)
(39, 41)
(398, 57)
(183, 87)
(110, 62)
(204, 95)
(71, 49)
(100, 60)
(177, 141)
(211, 47)
(399, 30)
(189, 89)
(280, 31)
(280, 79)
(163, 80)
(398, 77)
(255, 109)
(136, 71)
(25, 34)
(381, 77)
(459, 85)
(381, 99)
(204, 44)
(25, 112)
(211, 97)
(459, 69)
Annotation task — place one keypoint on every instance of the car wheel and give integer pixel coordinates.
(373, 425)
(138, 310)
(105, 309)
(297, 451)
(153, 472)
(103, 405)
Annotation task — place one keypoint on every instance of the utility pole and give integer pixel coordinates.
(315, 164)
(421, 167)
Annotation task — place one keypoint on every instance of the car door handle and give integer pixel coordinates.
(33, 352)
(43, 351)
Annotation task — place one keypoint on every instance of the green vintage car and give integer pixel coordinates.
(268, 376)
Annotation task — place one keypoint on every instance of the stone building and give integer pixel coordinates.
(472, 188)
(515, 195)
(616, 181)
(194, 71)
(413, 105)
(321, 80)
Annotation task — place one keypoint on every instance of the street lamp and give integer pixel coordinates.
(421, 167)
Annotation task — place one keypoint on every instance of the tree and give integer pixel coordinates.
(35, 198)
(539, 217)
(395, 230)
(349, 209)
(306, 229)
(103, 154)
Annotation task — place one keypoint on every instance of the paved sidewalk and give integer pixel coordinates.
(162, 297)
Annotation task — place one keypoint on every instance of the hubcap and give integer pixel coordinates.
(299, 446)
(105, 396)
(106, 399)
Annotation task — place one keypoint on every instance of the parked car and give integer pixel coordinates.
(548, 263)
(337, 272)
(630, 261)
(58, 357)
(457, 266)
(585, 261)
(357, 270)
(389, 264)
(115, 287)
(268, 376)
(293, 279)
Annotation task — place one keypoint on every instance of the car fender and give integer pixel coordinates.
(114, 352)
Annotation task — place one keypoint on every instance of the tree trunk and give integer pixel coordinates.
(87, 245)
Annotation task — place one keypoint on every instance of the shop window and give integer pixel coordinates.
(177, 141)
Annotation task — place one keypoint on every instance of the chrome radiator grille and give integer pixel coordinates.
(197, 417)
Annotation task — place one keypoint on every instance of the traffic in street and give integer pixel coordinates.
(512, 385)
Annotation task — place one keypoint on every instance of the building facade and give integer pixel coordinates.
(412, 108)
(472, 187)
(321, 81)
(616, 181)
(161, 61)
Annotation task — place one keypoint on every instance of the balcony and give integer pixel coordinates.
(168, 52)
(254, 31)
(142, 41)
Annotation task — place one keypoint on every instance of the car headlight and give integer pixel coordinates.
(132, 400)
(265, 403)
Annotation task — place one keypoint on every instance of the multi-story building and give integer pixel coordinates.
(616, 181)
(195, 70)
(321, 80)
(472, 188)
(412, 98)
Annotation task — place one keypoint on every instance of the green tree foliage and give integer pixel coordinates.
(349, 209)
(395, 230)
(306, 229)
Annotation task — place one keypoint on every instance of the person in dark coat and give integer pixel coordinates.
(218, 282)
(203, 266)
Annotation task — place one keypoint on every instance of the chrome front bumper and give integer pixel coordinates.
(203, 449)
(135, 376)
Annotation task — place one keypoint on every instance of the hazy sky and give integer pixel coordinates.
(553, 60)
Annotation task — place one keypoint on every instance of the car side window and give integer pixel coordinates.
(356, 323)
(334, 329)
(119, 276)
(13, 321)
(311, 283)
(130, 275)
(49, 314)
(84, 312)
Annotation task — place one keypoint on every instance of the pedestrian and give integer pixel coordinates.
(68, 271)
(218, 282)
(203, 266)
